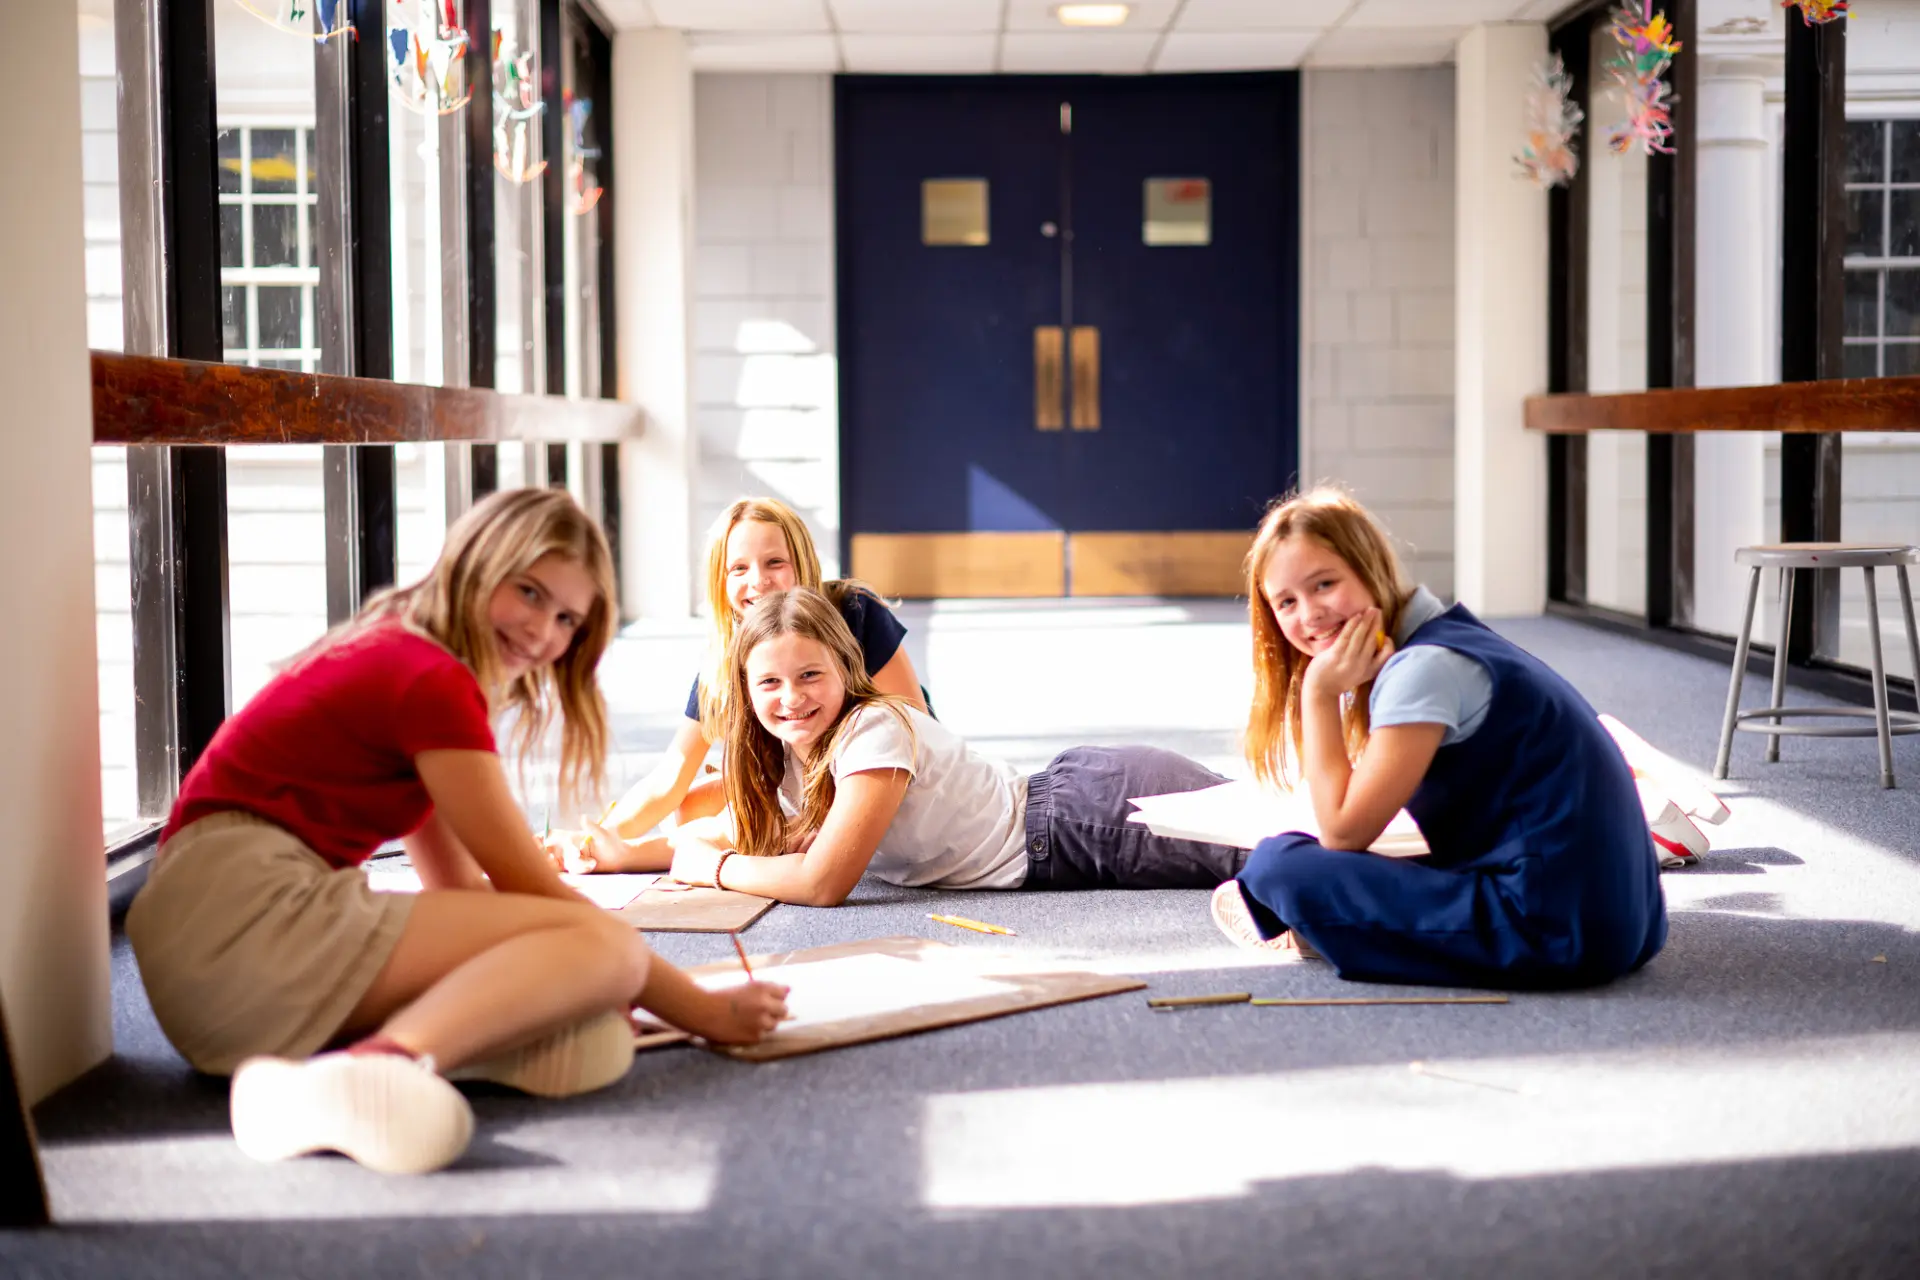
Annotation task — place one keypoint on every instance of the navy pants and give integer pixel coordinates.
(1507, 919)
(1078, 836)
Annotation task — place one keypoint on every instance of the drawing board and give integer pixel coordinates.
(610, 891)
(857, 992)
(675, 908)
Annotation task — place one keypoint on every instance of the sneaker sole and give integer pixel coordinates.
(577, 1059)
(381, 1110)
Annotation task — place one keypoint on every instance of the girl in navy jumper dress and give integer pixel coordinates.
(1541, 873)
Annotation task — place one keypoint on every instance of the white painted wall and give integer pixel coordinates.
(653, 130)
(1377, 304)
(53, 909)
(765, 396)
(1501, 356)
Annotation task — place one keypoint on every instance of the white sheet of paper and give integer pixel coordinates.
(610, 891)
(824, 991)
(1243, 813)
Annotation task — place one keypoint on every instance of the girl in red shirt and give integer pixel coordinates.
(338, 1010)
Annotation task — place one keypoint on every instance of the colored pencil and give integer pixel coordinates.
(1384, 1000)
(743, 955)
(961, 922)
(1180, 1002)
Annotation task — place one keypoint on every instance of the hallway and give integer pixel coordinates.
(1747, 1104)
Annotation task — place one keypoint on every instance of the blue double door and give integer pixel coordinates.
(1067, 309)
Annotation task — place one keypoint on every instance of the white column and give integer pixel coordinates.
(1616, 345)
(1733, 297)
(53, 909)
(1500, 353)
(653, 257)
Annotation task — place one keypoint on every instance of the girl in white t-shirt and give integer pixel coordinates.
(828, 778)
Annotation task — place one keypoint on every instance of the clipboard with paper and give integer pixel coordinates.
(1243, 813)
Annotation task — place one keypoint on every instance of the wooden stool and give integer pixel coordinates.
(1788, 556)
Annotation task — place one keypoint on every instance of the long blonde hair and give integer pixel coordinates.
(756, 760)
(1332, 518)
(806, 574)
(501, 536)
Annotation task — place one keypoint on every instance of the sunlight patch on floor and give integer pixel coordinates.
(1167, 1142)
(510, 1171)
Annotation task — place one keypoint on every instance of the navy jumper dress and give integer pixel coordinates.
(1542, 873)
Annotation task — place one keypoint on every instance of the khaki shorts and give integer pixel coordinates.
(249, 942)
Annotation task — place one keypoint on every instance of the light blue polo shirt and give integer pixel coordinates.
(1429, 684)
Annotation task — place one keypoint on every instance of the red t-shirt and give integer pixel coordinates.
(326, 749)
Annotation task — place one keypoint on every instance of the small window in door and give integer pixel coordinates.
(1179, 212)
(953, 211)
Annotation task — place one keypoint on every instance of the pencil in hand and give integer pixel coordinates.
(742, 952)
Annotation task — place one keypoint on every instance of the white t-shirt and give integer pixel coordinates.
(963, 821)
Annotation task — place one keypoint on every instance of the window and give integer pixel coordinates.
(1882, 324)
(267, 273)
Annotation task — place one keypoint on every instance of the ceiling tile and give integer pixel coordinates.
(1256, 15)
(735, 52)
(916, 15)
(1037, 15)
(627, 15)
(1385, 47)
(743, 15)
(1113, 52)
(897, 54)
(1431, 13)
(1220, 51)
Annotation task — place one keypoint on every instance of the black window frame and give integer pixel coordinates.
(177, 512)
(1814, 230)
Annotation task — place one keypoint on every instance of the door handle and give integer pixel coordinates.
(1085, 353)
(1049, 383)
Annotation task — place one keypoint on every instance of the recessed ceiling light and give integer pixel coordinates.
(1091, 15)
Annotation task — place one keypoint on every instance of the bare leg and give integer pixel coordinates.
(479, 972)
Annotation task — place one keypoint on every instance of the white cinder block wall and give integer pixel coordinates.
(1377, 300)
(765, 405)
(1377, 282)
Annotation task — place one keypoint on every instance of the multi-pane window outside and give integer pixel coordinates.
(1882, 324)
(1880, 471)
(267, 273)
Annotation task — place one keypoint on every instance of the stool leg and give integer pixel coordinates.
(1780, 660)
(1879, 682)
(1913, 633)
(1739, 671)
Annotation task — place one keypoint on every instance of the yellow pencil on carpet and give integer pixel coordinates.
(961, 922)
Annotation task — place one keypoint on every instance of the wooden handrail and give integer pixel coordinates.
(151, 400)
(1842, 404)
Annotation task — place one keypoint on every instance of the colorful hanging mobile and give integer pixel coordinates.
(1548, 159)
(298, 17)
(584, 197)
(516, 105)
(1818, 12)
(426, 49)
(1646, 49)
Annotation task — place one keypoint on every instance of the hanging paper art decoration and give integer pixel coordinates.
(1818, 12)
(298, 17)
(516, 105)
(426, 49)
(584, 197)
(1548, 159)
(1646, 48)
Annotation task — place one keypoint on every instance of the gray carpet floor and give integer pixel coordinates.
(1747, 1105)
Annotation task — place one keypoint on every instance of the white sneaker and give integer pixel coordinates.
(1231, 916)
(388, 1112)
(580, 1058)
